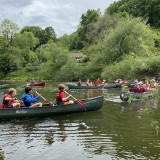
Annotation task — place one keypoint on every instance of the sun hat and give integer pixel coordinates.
(140, 82)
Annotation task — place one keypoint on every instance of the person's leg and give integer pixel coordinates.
(68, 102)
(16, 105)
(37, 104)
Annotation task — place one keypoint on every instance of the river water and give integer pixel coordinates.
(117, 131)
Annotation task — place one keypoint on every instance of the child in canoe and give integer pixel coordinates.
(9, 100)
(61, 97)
(29, 100)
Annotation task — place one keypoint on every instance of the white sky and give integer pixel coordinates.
(62, 15)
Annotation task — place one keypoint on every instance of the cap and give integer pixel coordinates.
(140, 82)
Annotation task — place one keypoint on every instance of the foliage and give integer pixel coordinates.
(64, 41)
(133, 67)
(70, 71)
(8, 63)
(81, 39)
(130, 36)
(25, 40)
(115, 45)
(43, 35)
(8, 30)
(148, 9)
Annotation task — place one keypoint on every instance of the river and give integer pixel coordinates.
(117, 131)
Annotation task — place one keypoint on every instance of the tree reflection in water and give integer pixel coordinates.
(1, 155)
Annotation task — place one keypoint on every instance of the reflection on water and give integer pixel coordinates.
(118, 131)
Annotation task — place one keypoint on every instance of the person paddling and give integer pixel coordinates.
(97, 82)
(9, 100)
(29, 100)
(33, 81)
(61, 98)
(104, 83)
(79, 83)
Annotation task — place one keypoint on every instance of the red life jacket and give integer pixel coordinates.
(87, 83)
(96, 83)
(59, 98)
(7, 103)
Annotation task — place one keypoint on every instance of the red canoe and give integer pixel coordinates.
(42, 84)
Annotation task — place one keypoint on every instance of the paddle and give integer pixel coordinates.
(79, 101)
(44, 98)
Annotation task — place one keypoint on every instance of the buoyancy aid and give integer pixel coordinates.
(7, 103)
(59, 100)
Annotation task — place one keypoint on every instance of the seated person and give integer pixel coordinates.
(141, 87)
(146, 83)
(9, 100)
(104, 83)
(87, 82)
(90, 83)
(61, 98)
(97, 82)
(79, 83)
(32, 81)
(151, 86)
(29, 100)
(120, 81)
(134, 88)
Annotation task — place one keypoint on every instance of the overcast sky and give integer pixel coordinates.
(62, 15)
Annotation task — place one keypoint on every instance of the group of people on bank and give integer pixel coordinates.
(30, 100)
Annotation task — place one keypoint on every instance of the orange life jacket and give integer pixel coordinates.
(7, 103)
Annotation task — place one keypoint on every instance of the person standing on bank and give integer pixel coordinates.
(29, 100)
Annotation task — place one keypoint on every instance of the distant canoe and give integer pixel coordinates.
(42, 84)
(4, 86)
(92, 104)
(126, 96)
(109, 86)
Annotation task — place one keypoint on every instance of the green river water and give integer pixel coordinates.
(117, 131)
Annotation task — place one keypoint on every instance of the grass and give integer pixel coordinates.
(23, 75)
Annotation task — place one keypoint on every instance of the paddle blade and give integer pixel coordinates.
(81, 103)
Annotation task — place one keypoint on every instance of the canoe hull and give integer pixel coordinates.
(110, 86)
(92, 104)
(4, 86)
(38, 84)
(126, 96)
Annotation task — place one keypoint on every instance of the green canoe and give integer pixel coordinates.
(4, 86)
(126, 96)
(92, 104)
(109, 86)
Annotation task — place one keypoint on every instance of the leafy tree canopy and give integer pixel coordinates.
(148, 9)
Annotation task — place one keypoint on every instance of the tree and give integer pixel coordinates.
(81, 40)
(25, 40)
(71, 70)
(8, 30)
(8, 63)
(64, 41)
(147, 9)
(130, 36)
(42, 53)
(43, 35)
(49, 34)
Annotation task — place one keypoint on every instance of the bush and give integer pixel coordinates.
(133, 66)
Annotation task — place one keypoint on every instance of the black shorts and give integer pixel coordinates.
(11, 106)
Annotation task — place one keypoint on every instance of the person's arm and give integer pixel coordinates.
(8, 98)
(63, 96)
(31, 100)
(66, 98)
